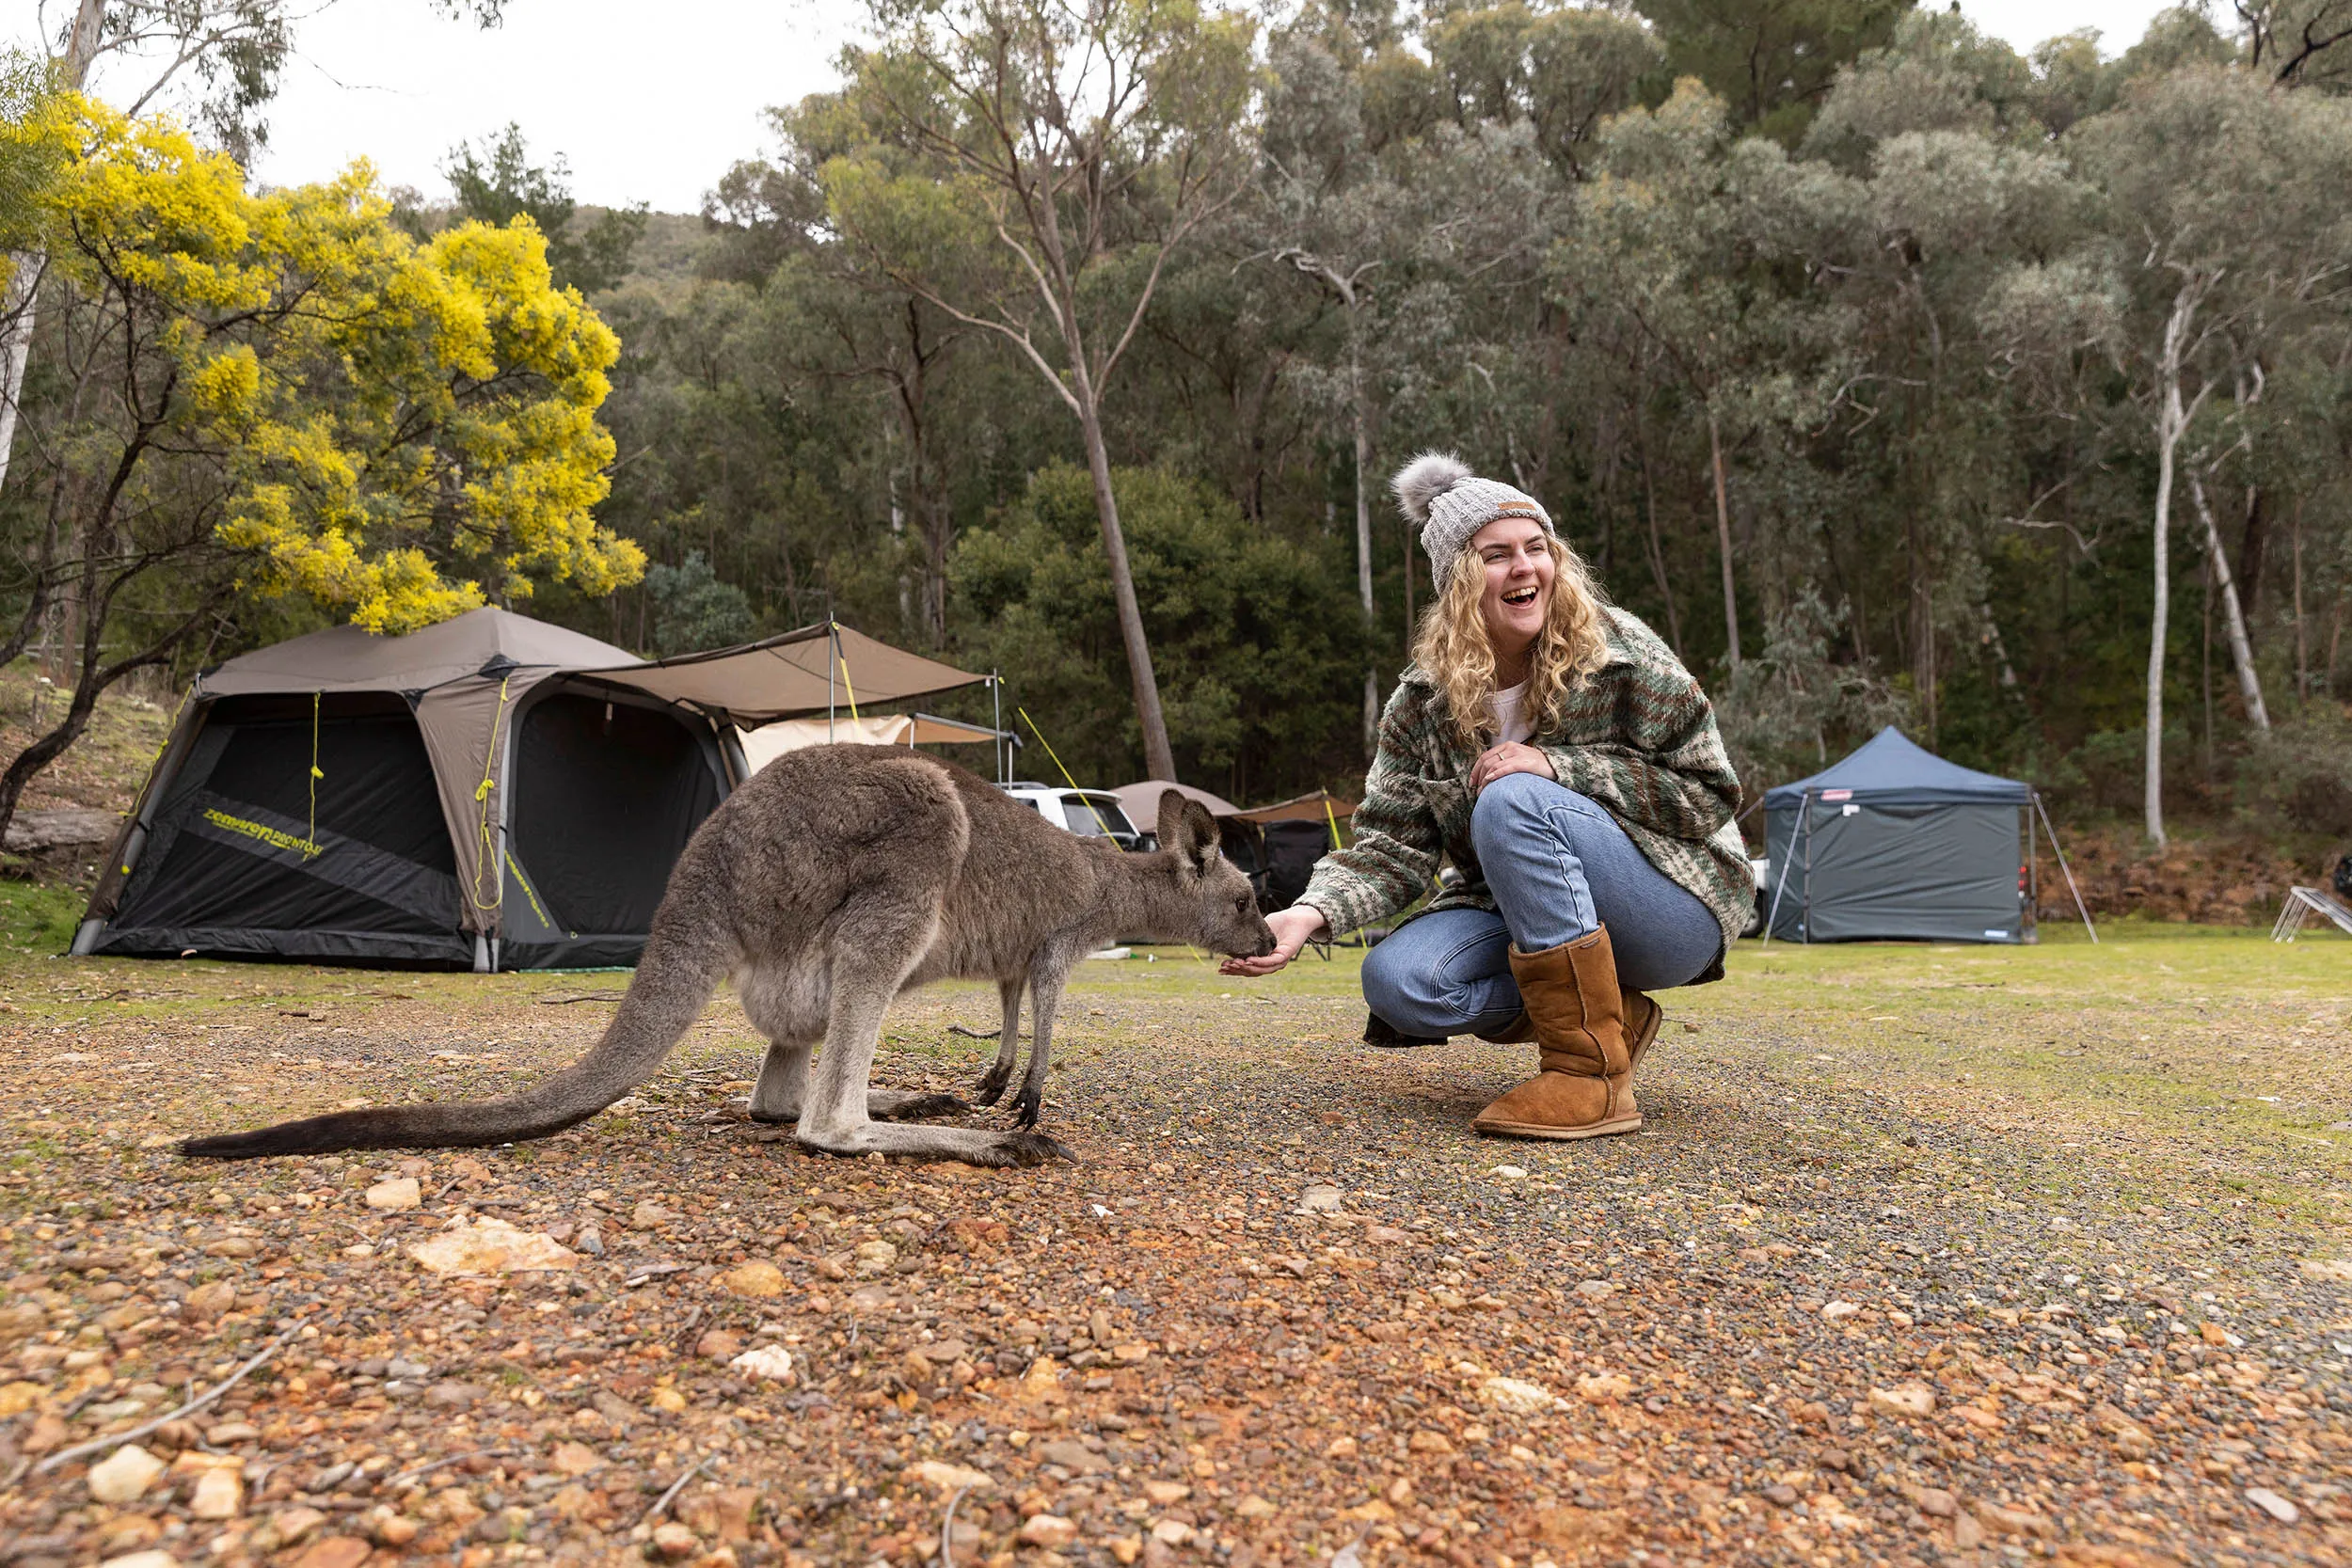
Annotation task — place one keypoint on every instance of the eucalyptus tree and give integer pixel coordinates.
(2228, 222)
(1059, 152)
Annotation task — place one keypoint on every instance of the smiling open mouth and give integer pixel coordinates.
(1520, 596)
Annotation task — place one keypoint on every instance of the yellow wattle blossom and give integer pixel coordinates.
(400, 429)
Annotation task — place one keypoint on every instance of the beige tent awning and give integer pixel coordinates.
(768, 742)
(790, 675)
(1321, 806)
(1141, 801)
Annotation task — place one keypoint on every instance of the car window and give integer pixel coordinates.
(1104, 814)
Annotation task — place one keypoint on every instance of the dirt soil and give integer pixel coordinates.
(1926, 1254)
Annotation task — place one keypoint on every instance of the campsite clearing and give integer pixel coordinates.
(1928, 1253)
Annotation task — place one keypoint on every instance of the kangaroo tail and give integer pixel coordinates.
(674, 979)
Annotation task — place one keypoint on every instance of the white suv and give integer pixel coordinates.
(1090, 813)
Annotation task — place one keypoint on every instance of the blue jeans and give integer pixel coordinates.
(1560, 868)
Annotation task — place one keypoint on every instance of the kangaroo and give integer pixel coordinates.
(834, 879)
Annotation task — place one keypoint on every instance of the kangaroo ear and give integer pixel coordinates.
(1187, 826)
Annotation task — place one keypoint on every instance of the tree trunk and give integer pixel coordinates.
(1363, 420)
(16, 344)
(16, 335)
(2252, 545)
(2169, 422)
(2303, 646)
(1723, 540)
(1159, 760)
(2249, 683)
(1657, 548)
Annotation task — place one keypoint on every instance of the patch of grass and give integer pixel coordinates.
(36, 921)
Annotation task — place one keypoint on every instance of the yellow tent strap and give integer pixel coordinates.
(1337, 841)
(1065, 772)
(848, 688)
(488, 859)
(152, 762)
(311, 842)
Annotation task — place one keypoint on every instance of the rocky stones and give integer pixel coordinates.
(1910, 1401)
(491, 1246)
(765, 1364)
(756, 1280)
(1935, 1502)
(2002, 1520)
(719, 1344)
(1049, 1530)
(395, 1193)
(1597, 1290)
(649, 1215)
(2273, 1504)
(947, 1480)
(1603, 1387)
(1041, 1384)
(1166, 1494)
(876, 1257)
(1321, 1199)
(1516, 1397)
(123, 1475)
(674, 1542)
(1074, 1456)
(208, 1301)
(334, 1551)
(1838, 1311)
(219, 1494)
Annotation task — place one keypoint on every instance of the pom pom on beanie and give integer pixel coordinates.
(1424, 479)
(1438, 491)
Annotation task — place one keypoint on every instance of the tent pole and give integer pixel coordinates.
(1808, 870)
(2055, 849)
(2033, 881)
(1781, 886)
(832, 645)
(1004, 752)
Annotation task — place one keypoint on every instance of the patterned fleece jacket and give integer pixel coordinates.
(1637, 736)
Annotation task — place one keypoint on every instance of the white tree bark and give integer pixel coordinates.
(2249, 684)
(1723, 540)
(2172, 420)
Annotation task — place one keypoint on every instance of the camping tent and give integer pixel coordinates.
(1895, 841)
(768, 742)
(492, 792)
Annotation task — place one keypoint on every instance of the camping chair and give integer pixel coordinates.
(2334, 903)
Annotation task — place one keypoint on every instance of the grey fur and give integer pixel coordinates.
(834, 879)
(1424, 479)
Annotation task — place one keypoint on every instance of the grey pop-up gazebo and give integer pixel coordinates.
(1894, 842)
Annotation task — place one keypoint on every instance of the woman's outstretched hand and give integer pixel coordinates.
(1291, 928)
(1512, 756)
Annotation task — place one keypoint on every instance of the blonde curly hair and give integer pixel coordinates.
(1452, 648)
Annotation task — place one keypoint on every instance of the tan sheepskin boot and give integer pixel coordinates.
(1642, 1018)
(1585, 1089)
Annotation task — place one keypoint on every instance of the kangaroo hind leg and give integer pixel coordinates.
(783, 1082)
(991, 1088)
(1047, 984)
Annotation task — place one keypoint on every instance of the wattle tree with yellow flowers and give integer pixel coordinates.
(242, 396)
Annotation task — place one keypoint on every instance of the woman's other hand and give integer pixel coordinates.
(1513, 756)
(1291, 928)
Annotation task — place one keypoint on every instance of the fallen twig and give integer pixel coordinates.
(946, 1531)
(117, 1440)
(676, 1487)
(407, 1475)
(973, 1034)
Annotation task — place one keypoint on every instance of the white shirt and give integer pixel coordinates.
(1509, 726)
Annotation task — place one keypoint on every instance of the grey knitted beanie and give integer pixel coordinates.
(1438, 491)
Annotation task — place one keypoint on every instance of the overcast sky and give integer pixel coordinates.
(648, 102)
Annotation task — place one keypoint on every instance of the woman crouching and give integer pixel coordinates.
(1556, 751)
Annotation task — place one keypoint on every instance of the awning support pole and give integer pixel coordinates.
(2060, 853)
(1782, 884)
(1004, 752)
(832, 645)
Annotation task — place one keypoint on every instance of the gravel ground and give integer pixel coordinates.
(1927, 1255)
